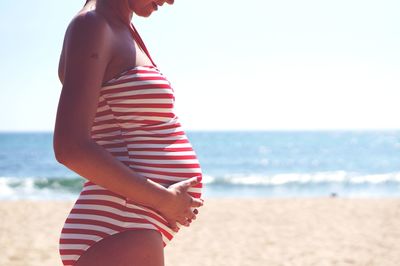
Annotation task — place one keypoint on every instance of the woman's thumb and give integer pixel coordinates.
(193, 181)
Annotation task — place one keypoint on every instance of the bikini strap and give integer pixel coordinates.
(140, 41)
(135, 34)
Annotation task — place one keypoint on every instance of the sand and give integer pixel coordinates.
(313, 231)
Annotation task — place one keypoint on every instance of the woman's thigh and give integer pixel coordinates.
(128, 248)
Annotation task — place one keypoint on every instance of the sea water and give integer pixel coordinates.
(234, 164)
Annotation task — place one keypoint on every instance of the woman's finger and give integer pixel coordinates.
(196, 202)
(191, 181)
(183, 221)
(190, 215)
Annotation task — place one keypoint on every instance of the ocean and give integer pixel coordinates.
(341, 163)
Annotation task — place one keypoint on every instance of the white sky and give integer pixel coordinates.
(252, 64)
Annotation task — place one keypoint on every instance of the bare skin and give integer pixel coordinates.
(98, 46)
(133, 248)
(125, 52)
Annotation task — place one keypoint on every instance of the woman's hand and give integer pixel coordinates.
(178, 208)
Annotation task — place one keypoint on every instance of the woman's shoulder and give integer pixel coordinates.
(86, 32)
(88, 23)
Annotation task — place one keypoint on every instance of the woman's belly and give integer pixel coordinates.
(165, 158)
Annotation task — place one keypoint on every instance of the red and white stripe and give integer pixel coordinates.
(136, 123)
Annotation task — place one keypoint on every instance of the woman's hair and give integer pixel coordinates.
(87, 1)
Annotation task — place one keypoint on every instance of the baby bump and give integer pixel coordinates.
(166, 163)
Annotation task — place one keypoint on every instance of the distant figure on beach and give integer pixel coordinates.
(116, 127)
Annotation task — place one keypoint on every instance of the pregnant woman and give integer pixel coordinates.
(117, 128)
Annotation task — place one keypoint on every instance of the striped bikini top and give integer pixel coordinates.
(138, 100)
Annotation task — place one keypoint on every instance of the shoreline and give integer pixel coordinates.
(234, 231)
(224, 197)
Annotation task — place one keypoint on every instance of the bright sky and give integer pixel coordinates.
(254, 64)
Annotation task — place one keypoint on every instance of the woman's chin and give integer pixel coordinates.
(145, 13)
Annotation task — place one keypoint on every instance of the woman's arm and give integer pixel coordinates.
(87, 53)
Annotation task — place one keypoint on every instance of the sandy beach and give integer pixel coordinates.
(314, 231)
